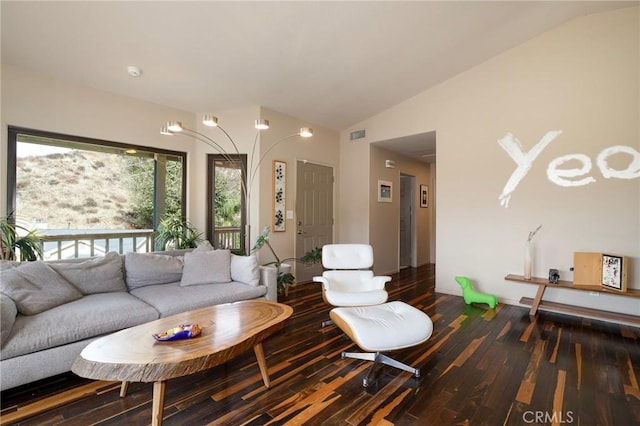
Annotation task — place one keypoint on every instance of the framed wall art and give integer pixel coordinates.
(279, 195)
(424, 196)
(385, 189)
(614, 272)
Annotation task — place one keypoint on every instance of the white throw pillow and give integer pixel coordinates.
(245, 269)
(205, 267)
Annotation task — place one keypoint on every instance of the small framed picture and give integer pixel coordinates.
(385, 191)
(612, 272)
(424, 196)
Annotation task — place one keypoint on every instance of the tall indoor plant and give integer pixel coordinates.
(285, 277)
(16, 239)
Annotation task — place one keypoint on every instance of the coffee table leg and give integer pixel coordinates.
(262, 363)
(123, 389)
(158, 403)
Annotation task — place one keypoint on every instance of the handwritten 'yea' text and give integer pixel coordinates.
(557, 175)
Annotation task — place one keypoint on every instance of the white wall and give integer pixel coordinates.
(38, 102)
(581, 78)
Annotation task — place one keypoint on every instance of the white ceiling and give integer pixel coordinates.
(327, 63)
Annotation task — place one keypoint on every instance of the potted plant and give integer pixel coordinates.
(285, 277)
(176, 232)
(17, 239)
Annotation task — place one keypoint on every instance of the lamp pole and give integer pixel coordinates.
(176, 127)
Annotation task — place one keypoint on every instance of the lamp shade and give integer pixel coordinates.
(210, 120)
(174, 126)
(262, 124)
(306, 132)
(165, 131)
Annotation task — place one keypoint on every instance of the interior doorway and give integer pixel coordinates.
(407, 253)
(314, 213)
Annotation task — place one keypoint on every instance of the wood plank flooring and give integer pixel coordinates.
(480, 367)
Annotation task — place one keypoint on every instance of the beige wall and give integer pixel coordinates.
(322, 148)
(352, 223)
(39, 102)
(581, 78)
(384, 225)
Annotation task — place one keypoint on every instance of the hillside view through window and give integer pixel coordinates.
(67, 186)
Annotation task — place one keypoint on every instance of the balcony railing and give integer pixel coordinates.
(228, 238)
(63, 245)
(86, 244)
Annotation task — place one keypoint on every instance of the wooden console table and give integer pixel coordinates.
(538, 304)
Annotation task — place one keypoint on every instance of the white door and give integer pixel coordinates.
(314, 213)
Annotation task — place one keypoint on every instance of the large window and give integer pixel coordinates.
(226, 206)
(67, 185)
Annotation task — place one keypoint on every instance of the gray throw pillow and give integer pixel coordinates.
(204, 267)
(8, 312)
(8, 264)
(144, 269)
(35, 287)
(96, 275)
(245, 269)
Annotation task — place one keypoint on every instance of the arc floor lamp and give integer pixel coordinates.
(250, 171)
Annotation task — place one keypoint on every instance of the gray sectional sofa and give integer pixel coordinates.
(51, 310)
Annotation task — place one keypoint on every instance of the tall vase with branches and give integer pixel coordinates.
(528, 256)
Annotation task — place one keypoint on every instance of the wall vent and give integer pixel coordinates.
(358, 134)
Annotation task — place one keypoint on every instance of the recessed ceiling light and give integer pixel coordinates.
(134, 71)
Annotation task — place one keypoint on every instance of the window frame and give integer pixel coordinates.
(211, 160)
(12, 139)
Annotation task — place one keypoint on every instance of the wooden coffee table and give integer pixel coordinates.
(133, 355)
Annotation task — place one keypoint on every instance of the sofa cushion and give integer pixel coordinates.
(169, 299)
(8, 264)
(204, 246)
(204, 267)
(102, 274)
(142, 269)
(35, 287)
(245, 269)
(93, 315)
(8, 312)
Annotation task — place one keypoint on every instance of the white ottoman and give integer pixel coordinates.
(383, 328)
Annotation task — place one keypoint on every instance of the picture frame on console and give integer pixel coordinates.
(612, 272)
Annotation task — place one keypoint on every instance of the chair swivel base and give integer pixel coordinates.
(379, 358)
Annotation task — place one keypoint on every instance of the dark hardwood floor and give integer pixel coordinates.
(480, 367)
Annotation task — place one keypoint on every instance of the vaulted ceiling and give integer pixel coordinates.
(328, 63)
